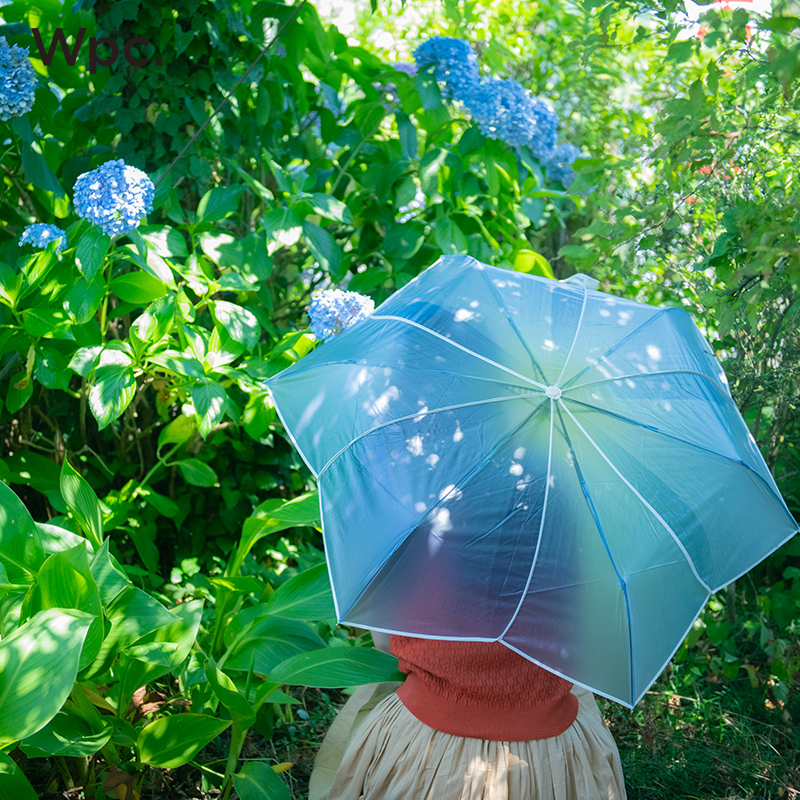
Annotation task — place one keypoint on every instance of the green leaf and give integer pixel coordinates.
(179, 431)
(82, 503)
(90, 251)
(218, 203)
(83, 300)
(239, 323)
(20, 390)
(283, 228)
(164, 240)
(169, 508)
(305, 596)
(222, 249)
(449, 237)
(328, 206)
(67, 734)
(173, 741)
(258, 781)
(408, 135)
(242, 713)
(270, 641)
(178, 363)
(38, 172)
(156, 320)
(114, 387)
(210, 401)
(84, 359)
(21, 549)
(12, 779)
(47, 323)
(335, 667)
(52, 369)
(108, 575)
(532, 263)
(138, 288)
(323, 246)
(38, 666)
(65, 581)
(197, 473)
(403, 240)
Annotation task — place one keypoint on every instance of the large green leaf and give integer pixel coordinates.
(108, 575)
(21, 549)
(83, 300)
(335, 667)
(210, 401)
(67, 734)
(65, 581)
(82, 503)
(306, 596)
(239, 323)
(242, 713)
(13, 781)
(38, 172)
(270, 642)
(38, 666)
(218, 203)
(90, 251)
(137, 288)
(173, 741)
(114, 387)
(323, 246)
(258, 781)
(197, 473)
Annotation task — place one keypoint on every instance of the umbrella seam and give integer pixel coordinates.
(421, 414)
(513, 323)
(596, 517)
(574, 338)
(541, 529)
(619, 344)
(641, 499)
(461, 347)
(651, 374)
(686, 442)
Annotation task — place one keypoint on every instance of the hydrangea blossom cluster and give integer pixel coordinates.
(114, 196)
(558, 165)
(503, 109)
(455, 65)
(40, 235)
(17, 81)
(334, 310)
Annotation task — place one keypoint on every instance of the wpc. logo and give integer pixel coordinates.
(59, 41)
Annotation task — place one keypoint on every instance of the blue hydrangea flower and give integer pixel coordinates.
(455, 64)
(558, 165)
(333, 310)
(403, 66)
(114, 196)
(40, 235)
(17, 81)
(544, 140)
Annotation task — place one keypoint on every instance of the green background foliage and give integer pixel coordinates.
(176, 554)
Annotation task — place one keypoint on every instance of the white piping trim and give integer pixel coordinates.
(640, 497)
(574, 338)
(541, 529)
(647, 375)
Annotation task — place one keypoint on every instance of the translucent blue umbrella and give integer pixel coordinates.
(506, 457)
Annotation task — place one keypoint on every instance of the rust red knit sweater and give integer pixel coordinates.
(482, 690)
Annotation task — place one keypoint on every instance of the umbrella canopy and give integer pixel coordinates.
(506, 457)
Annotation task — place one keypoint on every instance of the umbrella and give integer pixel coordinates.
(504, 457)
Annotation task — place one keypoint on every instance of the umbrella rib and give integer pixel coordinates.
(617, 345)
(541, 529)
(461, 347)
(641, 498)
(420, 415)
(575, 337)
(648, 375)
(513, 324)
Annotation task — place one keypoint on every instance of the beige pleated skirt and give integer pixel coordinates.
(377, 750)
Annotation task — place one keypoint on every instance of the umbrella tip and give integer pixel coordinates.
(579, 279)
